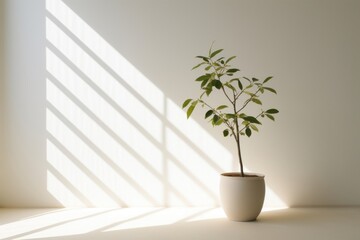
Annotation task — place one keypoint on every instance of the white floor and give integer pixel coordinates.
(177, 223)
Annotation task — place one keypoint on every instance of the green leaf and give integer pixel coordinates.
(240, 85)
(272, 111)
(267, 79)
(251, 119)
(191, 108)
(208, 113)
(204, 82)
(215, 53)
(198, 65)
(221, 107)
(230, 58)
(255, 79)
(217, 84)
(203, 77)
(211, 47)
(257, 101)
(206, 59)
(230, 86)
(238, 81)
(245, 123)
(249, 86)
(215, 119)
(270, 116)
(232, 70)
(247, 79)
(208, 91)
(226, 132)
(230, 115)
(186, 102)
(218, 70)
(248, 132)
(220, 121)
(250, 94)
(208, 68)
(270, 89)
(253, 127)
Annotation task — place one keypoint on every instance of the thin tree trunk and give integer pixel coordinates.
(237, 138)
(240, 159)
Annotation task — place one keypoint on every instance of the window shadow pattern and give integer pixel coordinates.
(114, 139)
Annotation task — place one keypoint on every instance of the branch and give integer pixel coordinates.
(255, 117)
(226, 121)
(247, 101)
(222, 87)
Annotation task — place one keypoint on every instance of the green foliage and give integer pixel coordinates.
(218, 77)
(191, 108)
(208, 113)
(240, 92)
(186, 102)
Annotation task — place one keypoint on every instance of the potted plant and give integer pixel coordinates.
(241, 194)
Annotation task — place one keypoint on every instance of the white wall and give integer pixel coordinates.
(2, 24)
(309, 155)
(24, 167)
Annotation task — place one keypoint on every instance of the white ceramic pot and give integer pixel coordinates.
(242, 198)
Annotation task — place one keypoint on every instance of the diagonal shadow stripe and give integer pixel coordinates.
(128, 220)
(74, 190)
(100, 62)
(211, 163)
(100, 153)
(126, 86)
(139, 127)
(112, 134)
(57, 224)
(129, 149)
(85, 170)
(195, 215)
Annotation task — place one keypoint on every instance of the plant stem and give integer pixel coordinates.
(237, 139)
(237, 135)
(240, 159)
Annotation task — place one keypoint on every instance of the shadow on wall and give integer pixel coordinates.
(113, 137)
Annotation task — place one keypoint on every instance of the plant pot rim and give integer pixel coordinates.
(248, 175)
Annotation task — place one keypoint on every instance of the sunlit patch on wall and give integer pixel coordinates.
(114, 138)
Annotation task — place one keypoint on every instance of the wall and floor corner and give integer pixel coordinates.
(82, 75)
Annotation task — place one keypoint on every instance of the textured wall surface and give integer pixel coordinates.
(94, 89)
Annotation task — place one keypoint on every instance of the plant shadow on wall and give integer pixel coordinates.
(100, 150)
